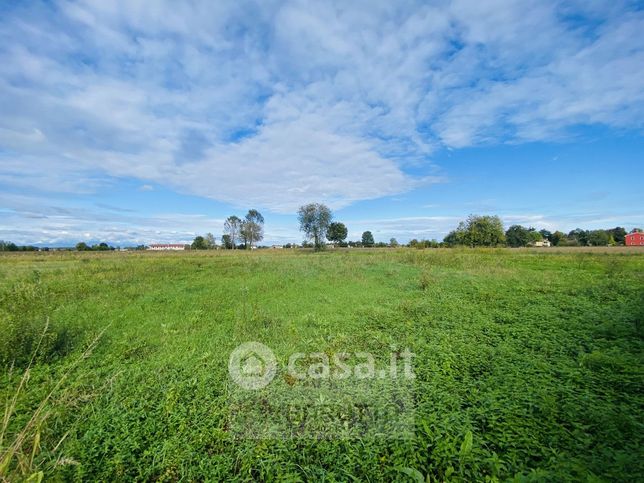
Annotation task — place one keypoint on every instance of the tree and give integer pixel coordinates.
(534, 236)
(517, 236)
(579, 237)
(618, 233)
(485, 231)
(598, 238)
(232, 226)
(226, 242)
(454, 237)
(393, 243)
(337, 232)
(478, 231)
(367, 239)
(199, 243)
(557, 237)
(211, 242)
(82, 247)
(252, 228)
(314, 221)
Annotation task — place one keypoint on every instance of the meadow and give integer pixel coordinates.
(528, 362)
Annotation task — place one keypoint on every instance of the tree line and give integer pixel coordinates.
(317, 224)
(7, 246)
(487, 231)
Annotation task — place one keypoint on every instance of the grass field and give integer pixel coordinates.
(528, 363)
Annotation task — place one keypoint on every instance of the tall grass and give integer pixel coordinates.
(18, 450)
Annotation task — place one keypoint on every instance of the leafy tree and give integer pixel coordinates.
(393, 243)
(211, 242)
(618, 233)
(598, 238)
(252, 228)
(557, 237)
(486, 231)
(534, 236)
(82, 247)
(483, 231)
(199, 243)
(517, 236)
(579, 237)
(315, 219)
(337, 232)
(232, 227)
(7, 246)
(367, 239)
(454, 237)
(226, 242)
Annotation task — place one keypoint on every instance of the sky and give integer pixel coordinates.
(134, 121)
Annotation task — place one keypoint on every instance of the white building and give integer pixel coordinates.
(166, 246)
(542, 243)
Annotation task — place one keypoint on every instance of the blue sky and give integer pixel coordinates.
(140, 122)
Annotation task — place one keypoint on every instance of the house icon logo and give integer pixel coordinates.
(252, 365)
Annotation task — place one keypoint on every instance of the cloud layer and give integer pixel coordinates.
(272, 104)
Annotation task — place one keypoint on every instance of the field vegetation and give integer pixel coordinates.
(528, 363)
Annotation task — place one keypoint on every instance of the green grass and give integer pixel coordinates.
(529, 364)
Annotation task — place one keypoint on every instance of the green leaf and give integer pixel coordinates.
(414, 474)
(466, 446)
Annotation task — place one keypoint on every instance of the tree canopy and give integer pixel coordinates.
(252, 228)
(315, 219)
(520, 236)
(199, 243)
(478, 231)
(367, 239)
(337, 232)
(232, 227)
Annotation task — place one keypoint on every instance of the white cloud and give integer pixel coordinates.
(275, 104)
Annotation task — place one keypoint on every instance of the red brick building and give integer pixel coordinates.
(634, 239)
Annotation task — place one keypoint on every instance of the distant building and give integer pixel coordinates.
(634, 239)
(542, 243)
(277, 246)
(166, 246)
